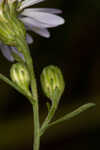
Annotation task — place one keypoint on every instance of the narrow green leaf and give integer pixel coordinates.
(12, 84)
(73, 114)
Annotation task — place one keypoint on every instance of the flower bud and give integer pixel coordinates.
(11, 28)
(20, 75)
(52, 82)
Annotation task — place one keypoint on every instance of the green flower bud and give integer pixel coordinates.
(52, 82)
(20, 76)
(11, 28)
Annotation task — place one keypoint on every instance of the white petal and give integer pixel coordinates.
(6, 51)
(14, 49)
(28, 3)
(41, 31)
(49, 20)
(29, 39)
(32, 22)
(48, 10)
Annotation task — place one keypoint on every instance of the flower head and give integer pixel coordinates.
(52, 82)
(37, 20)
(20, 75)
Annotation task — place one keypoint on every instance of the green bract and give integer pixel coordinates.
(20, 75)
(11, 28)
(52, 82)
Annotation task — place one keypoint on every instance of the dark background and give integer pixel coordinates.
(75, 48)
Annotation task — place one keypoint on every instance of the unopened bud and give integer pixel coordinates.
(20, 75)
(52, 82)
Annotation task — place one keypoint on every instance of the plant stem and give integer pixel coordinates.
(23, 47)
(36, 143)
(48, 119)
(73, 114)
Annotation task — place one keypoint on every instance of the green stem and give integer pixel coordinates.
(68, 116)
(73, 114)
(36, 143)
(23, 47)
(48, 118)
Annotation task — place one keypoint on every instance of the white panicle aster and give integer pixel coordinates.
(37, 20)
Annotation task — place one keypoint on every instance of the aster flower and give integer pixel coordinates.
(37, 20)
